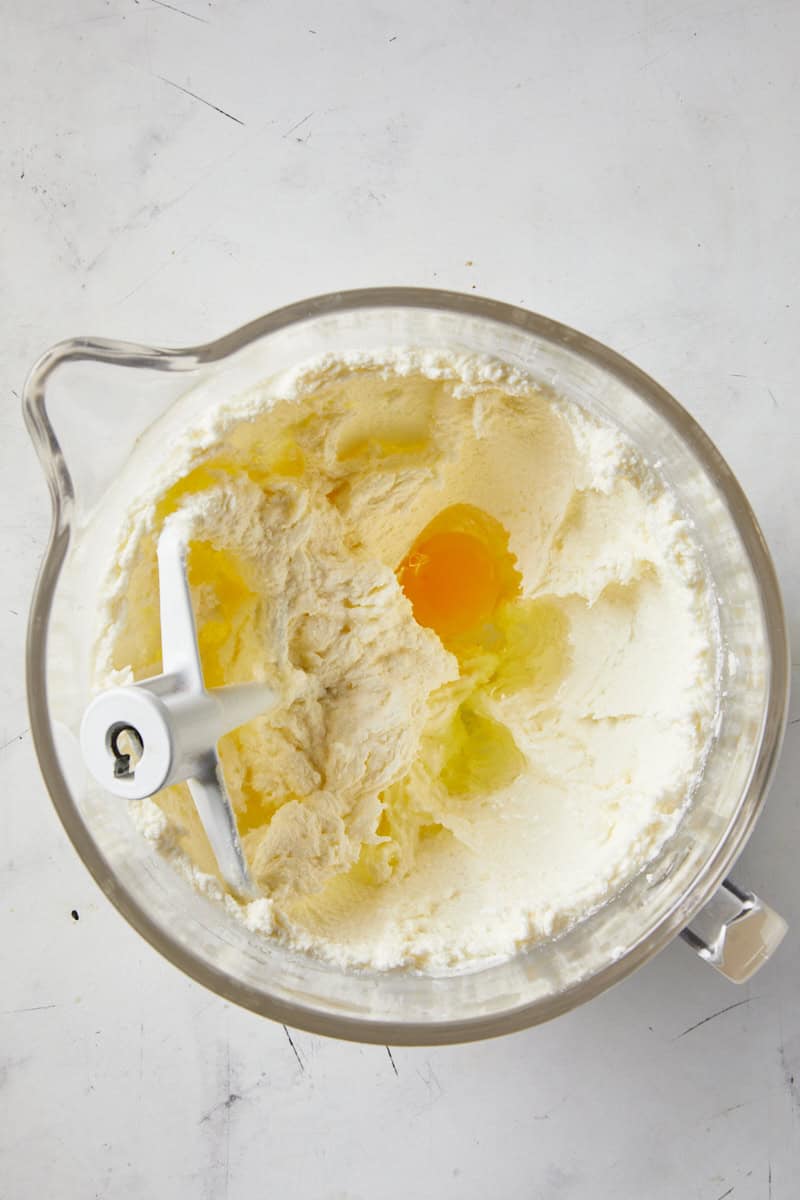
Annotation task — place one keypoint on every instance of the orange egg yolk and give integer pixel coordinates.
(458, 571)
(451, 581)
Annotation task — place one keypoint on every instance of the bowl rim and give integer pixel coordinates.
(365, 1029)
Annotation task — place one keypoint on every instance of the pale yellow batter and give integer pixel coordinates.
(494, 638)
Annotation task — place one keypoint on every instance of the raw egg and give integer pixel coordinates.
(458, 571)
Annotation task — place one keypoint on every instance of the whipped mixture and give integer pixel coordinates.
(494, 638)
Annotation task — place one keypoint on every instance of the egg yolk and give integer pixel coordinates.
(458, 570)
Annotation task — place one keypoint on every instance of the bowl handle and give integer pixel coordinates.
(736, 932)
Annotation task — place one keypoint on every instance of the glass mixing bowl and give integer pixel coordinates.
(95, 409)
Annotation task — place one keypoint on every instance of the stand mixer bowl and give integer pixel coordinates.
(97, 408)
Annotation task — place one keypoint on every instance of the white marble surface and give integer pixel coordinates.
(630, 168)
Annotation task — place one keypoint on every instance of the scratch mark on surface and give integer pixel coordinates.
(224, 1105)
(652, 61)
(795, 721)
(141, 1054)
(791, 1082)
(705, 1020)
(724, 1194)
(149, 279)
(227, 1110)
(432, 1086)
(56, 224)
(84, 21)
(391, 1060)
(307, 117)
(300, 1063)
(769, 1181)
(733, 1108)
(772, 397)
(7, 1012)
(17, 736)
(170, 258)
(182, 11)
(201, 99)
(90, 266)
(164, 206)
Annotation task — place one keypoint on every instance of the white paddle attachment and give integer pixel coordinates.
(142, 737)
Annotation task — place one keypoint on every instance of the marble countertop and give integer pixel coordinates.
(173, 170)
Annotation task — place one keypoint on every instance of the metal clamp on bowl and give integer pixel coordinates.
(735, 932)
